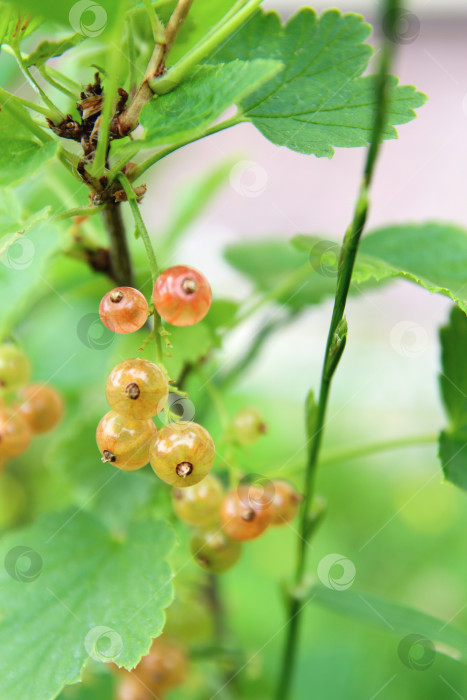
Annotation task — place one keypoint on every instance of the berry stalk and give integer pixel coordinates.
(334, 347)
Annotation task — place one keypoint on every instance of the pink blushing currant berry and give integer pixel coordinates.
(182, 454)
(137, 388)
(182, 295)
(123, 441)
(41, 405)
(15, 434)
(285, 502)
(123, 310)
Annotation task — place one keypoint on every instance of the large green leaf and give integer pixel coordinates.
(21, 151)
(434, 255)
(320, 100)
(195, 104)
(50, 49)
(453, 381)
(72, 589)
(396, 619)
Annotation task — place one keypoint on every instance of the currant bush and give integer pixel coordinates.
(214, 551)
(15, 369)
(182, 454)
(123, 310)
(199, 504)
(248, 426)
(124, 441)
(245, 513)
(41, 405)
(137, 388)
(182, 295)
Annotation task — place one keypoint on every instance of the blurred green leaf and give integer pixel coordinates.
(453, 381)
(434, 255)
(397, 619)
(81, 593)
(192, 200)
(85, 17)
(21, 152)
(199, 101)
(16, 24)
(319, 101)
(51, 49)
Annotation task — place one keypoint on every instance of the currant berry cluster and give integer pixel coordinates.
(25, 409)
(224, 520)
(164, 668)
(181, 453)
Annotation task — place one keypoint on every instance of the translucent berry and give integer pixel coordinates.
(199, 504)
(123, 441)
(182, 295)
(214, 551)
(41, 405)
(15, 434)
(165, 667)
(137, 388)
(248, 426)
(15, 369)
(285, 502)
(245, 513)
(182, 454)
(123, 310)
(131, 688)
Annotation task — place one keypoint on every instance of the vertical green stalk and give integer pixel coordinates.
(335, 346)
(153, 266)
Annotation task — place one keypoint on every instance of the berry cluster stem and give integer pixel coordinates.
(334, 347)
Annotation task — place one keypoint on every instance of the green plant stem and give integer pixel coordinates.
(156, 25)
(57, 115)
(74, 87)
(78, 211)
(349, 453)
(110, 101)
(4, 95)
(156, 157)
(183, 67)
(61, 88)
(346, 264)
(153, 266)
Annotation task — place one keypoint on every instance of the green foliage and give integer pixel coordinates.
(51, 49)
(433, 255)
(320, 101)
(397, 619)
(22, 151)
(453, 381)
(84, 592)
(16, 24)
(194, 105)
(91, 21)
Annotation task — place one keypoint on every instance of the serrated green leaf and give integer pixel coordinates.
(83, 585)
(21, 151)
(395, 619)
(320, 101)
(199, 101)
(16, 24)
(453, 382)
(51, 49)
(433, 255)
